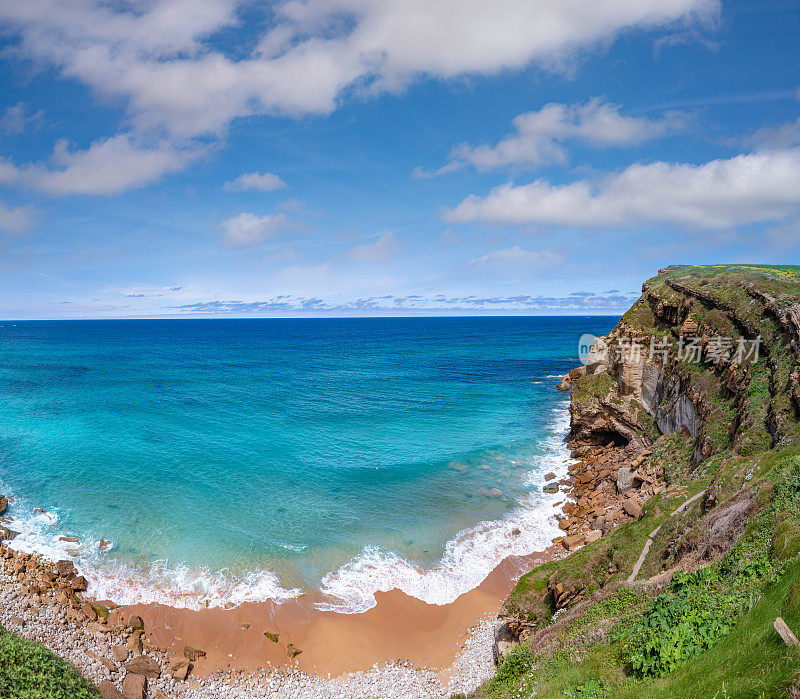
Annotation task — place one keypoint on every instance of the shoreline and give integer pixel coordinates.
(421, 649)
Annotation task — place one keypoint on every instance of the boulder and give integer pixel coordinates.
(106, 662)
(88, 611)
(136, 623)
(550, 488)
(108, 690)
(563, 383)
(632, 507)
(3, 504)
(144, 665)
(192, 654)
(549, 476)
(7, 534)
(134, 686)
(593, 535)
(292, 651)
(574, 541)
(179, 668)
(65, 568)
(135, 644)
(504, 641)
(120, 653)
(626, 480)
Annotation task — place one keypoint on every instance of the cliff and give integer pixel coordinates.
(684, 501)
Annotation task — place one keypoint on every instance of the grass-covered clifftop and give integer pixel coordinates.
(722, 436)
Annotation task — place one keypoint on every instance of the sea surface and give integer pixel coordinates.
(233, 460)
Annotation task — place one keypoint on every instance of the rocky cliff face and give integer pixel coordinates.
(709, 351)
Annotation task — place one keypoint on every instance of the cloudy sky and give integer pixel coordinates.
(242, 157)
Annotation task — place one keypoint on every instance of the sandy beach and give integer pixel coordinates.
(398, 628)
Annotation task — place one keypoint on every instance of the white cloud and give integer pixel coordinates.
(383, 249)
(17, 119)
(16, 220)
(108, 166)
(265, 182)
(539, 136)
(156, 56)
(784, 136)
(248, 229)
(517, 259)
(748, 188)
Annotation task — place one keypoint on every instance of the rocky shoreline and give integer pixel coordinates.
(606, 485)
(44, 601)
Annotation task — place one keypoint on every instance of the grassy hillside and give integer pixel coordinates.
(29, 670)
(697, 621)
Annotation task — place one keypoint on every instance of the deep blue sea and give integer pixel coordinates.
(231, 460)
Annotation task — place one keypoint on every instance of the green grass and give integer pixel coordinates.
(28, 670)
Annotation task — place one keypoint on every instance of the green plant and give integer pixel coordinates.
(28, 669)
(593, 689)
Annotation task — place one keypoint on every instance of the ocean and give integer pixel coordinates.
(235, 460)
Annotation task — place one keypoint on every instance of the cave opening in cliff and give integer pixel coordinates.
(609, 437)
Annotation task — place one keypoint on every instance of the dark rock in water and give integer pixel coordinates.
(79, 584)
(69, 539)
(193, 654)
(550, 488)
(549, 476)
(103, 545)
(143, 665)
(7, 534)
(3, 504)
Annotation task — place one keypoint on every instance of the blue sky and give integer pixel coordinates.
(367, 157)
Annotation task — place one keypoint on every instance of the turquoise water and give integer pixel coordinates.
(246, 459)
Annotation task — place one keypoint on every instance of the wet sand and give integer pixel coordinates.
(399, 627)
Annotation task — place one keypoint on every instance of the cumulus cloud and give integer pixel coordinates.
(159, 57)
(107, 166)
(248, 229)
(16, 219)
(539, 136)
(383, 249)
(264, 182)
(748, 188)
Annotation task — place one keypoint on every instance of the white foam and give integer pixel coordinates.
(176, 586)
(469, 557)
(467, 560)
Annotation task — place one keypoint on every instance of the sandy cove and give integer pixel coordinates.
(401, 647)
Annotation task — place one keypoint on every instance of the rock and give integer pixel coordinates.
(272, 636)
(134, 686)
(65, 568)
(7, 534)
(136, 623)
(16, 620)
(135, 644)
(88, 611)
(107, 662)
(108, 690)
(632, 507)
(179, 668)
(120, 653)
(550, 488)
(193, 654)
(504, 641)
(626, 478)
(292, 651)
(574, 541)
(69, 539)
(103, 545)
(563, 383)
(97, 629)
(3, 504)
(144, 665)
(549, 476)
(593, 535)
